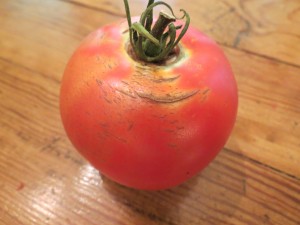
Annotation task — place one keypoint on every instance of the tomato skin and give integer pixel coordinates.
(148, 126)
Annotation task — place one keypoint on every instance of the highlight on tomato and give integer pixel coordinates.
(149, 102)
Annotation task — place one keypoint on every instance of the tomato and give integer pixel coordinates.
(148, 125)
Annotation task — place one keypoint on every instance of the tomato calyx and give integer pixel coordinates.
(154, 43)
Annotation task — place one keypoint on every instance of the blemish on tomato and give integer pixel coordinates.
(130, 126)
(204, 94)
(174, 122)
(104, 125)
(169, 130)
(171, 145)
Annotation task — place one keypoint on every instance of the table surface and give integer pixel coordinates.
(254, 180)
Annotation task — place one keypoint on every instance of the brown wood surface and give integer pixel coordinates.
(254, 180)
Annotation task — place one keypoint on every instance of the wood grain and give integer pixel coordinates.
(267, 126)
(254, 180)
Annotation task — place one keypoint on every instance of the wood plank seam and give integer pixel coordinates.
(262, 164)
(260, 55)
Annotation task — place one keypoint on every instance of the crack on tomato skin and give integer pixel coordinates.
(99, 82)
(205, 94)
(120, 139)
(169, 130)
(104, 125)
(174, 122)
(106, 135)
(161, 117)
(147, 74)
(167, 98)
(148, 85)
(130, 126)
(169, 79)
(126, 91)
(206, 91)
(172, 145)
(107, 100)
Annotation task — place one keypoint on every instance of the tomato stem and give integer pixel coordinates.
(153, 43)
(157, 31)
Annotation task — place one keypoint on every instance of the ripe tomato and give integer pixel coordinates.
(148, 125)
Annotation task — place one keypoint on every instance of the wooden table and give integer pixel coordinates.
(254, 180)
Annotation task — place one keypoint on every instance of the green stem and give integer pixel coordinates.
(157, 31)
(129, 22)
(150, 42)
(149, 20)
(144, 33)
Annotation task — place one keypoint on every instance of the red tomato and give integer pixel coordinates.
(144, 125)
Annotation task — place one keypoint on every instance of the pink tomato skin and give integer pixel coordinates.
(144, 125)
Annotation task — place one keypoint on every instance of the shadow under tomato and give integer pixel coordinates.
(149, 207)
(211, 197)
